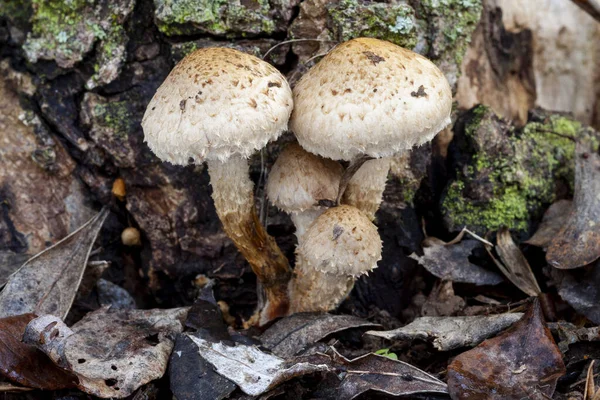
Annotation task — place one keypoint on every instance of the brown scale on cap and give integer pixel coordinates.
(369, 98)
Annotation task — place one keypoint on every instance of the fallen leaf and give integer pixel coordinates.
(514, 265)
(379, 374)
(93, 272)
(290, 335)
(47, 283)
(583, 294)
(578, 242)
(554, 219)
(112, 352)
(9, 263)
(451, 262)
(590, 387)
(110, 294)
(442, 301)
(25, 364)
(254, 371)
(449, 333)
(569, 334)
(191, 377)
(522, 362)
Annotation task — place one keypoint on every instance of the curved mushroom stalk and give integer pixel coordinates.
(365, 189)
(340, 245)
(234, 200)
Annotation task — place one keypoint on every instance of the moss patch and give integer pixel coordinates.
(511, 175)
(218, 17)
(392, 22)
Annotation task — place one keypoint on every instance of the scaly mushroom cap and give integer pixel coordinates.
(369, 96)
(299, 179)
(215, 103)
(341, 241)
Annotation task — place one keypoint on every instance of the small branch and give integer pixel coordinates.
(295, 41)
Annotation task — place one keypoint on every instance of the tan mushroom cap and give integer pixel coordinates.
(341, 241)
(215, 103)
(369, 96)
(299, 179)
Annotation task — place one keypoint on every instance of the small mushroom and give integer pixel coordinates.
(369, 98)
(303, 184)
(220, 105)
(131, 237)
(341, 245)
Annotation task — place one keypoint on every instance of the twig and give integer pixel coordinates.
(295, 41)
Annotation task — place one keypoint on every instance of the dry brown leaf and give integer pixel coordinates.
(112, 352)
(292, 334)
(381, 374)
(590, 388)
(522, 362)
(554, 219)
(25, 364)
(514, 265)
(582, 293)
(578, 242)
(47, 283)
(449, 333)
(451, 262)
(190, 376)
(254, 371)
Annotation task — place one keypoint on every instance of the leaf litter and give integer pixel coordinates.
(191, 376)
(450, 260)
(522, 362)
(290, 335)
(25, 364)
(513, 263)
(377, 373)
(47, 283)
(112, 352)
(578, 242)
(448, 333)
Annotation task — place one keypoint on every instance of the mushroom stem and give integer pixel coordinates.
(303, 219)
(313, 290)
(365, 189)
(354, 166)
(234, 200)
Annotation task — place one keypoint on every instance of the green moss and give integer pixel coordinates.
(391, 22)
(17, 12)
(511, 182)
(217, 17)
(510, 209)
(114, 115)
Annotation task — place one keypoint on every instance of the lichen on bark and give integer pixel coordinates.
(221, 17)
(66, 30)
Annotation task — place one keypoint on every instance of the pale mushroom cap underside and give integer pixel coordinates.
(341, 241)
(299, 179)
(215, 103)
(369, 96)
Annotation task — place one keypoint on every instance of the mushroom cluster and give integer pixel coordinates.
(364, 102)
